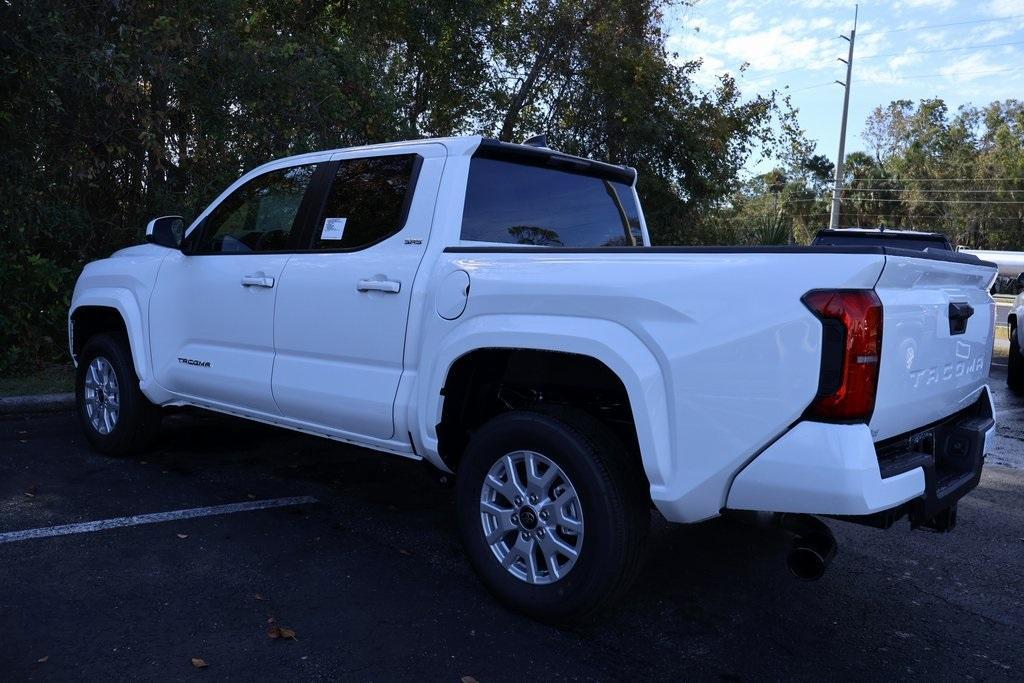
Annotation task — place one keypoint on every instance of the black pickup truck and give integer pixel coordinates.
(880, 237)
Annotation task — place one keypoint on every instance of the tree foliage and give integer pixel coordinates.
(118, 110)
(960, 173)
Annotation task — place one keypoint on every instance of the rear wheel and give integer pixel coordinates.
(1014, 363)
(116, 416)
(552, 513)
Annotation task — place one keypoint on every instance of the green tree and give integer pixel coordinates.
(118, 111)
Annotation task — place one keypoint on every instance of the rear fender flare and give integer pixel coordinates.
(610, 343)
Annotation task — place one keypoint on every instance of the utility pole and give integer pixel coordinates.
(837, 190)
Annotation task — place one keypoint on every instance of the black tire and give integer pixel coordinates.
(1014, 363)
(612, 493)
(138, 420)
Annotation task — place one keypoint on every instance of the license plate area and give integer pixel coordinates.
(951, 452)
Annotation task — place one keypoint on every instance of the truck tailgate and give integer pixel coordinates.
(937, 335)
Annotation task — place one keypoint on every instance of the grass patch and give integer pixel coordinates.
(51, 379)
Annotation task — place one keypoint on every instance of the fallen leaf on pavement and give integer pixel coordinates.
(182, 535)
(468, 679)
(199, 663)
(42, 659)
(259, 596)
(281, 632)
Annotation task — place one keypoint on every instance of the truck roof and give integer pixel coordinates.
(466, 145)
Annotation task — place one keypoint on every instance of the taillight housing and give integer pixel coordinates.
(851, 348)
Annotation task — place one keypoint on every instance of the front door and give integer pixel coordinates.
(343, 305)
(212, 310)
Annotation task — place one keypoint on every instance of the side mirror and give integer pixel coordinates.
(166, 231)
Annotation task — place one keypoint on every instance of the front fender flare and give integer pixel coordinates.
(123, 301)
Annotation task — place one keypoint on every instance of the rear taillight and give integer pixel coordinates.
(850, 352)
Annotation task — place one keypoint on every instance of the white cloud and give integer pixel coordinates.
(971, 68)
(990, 34)
(792, 46)
(743, 22)
(941, 5)
(1005, 8)
(904, 60)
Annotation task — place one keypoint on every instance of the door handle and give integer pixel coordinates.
(257, 281)
(959, 314)
(389, 286)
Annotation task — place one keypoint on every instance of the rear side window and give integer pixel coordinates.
(258, 216)
(517, 203)
(368, 202)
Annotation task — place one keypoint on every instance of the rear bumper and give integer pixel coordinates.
(837, 470)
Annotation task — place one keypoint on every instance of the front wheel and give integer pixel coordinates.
(552, 513)
(116, 416)
(1014, 363)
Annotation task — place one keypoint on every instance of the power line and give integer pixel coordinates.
(944, 49)
(943, 75)
(925, 190)
(809, 87)
(823, 216)
(928, 201)
(954, 23)
(916, 28)
(877, 81)
(903, 30)
(984, 46)
(945, 180)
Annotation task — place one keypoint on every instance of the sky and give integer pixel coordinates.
(964, 51)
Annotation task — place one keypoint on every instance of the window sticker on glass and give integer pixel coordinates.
(334, 229)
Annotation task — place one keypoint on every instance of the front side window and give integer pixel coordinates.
(259, 216)
(367, 202)
(516, 203)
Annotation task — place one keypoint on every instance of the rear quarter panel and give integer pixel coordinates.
(733, 353)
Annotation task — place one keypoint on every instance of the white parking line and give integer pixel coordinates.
(153, 518)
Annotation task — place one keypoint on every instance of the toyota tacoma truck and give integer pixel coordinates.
(498, 311)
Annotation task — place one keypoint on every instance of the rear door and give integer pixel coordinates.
(212, 310)
(343, 304)
(937, 335)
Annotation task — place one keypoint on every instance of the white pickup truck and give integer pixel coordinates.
(497, 311)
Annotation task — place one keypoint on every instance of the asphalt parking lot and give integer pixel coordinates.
(371, 579)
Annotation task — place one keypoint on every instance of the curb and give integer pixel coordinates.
(40, 403)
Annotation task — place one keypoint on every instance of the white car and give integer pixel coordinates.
(497, 310)
(1014, 361)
